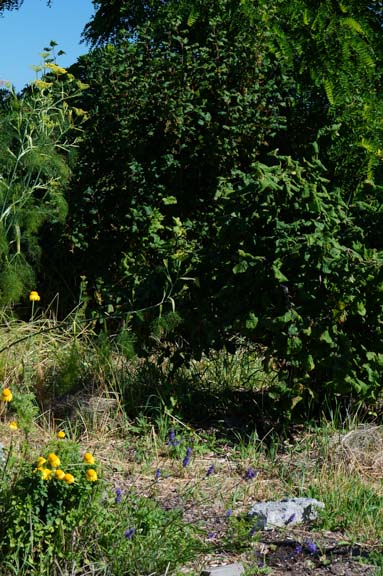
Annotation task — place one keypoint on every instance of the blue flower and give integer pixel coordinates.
(186, 460)
(311, 547)
(250, 473)
(129, 533)
(210, 470)
(298, 549)
(157, 474)
(118, 495)
(211, 535)
(172, 440)
(229, 512)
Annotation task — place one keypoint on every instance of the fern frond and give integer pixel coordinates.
(343, 8)
(193, 17)
(329, 89)
(353, 25)
(363, 53)
(288, 51)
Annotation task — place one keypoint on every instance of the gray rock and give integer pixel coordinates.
(269, 515)
(228, 570)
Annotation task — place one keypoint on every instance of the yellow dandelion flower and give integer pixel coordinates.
(54, 460)
(13, 425)
(60, 474)
(91, 475)
(40, 461)
(45, 473)
(34, 296)
(61, 434)
(88, 458)
(68, 478)
(6, 395)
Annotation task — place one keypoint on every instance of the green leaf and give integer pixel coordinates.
(167, 200)
(252, 321)
(361, 309)
(325, 337)
(295, 401)
(240, 267)
(308, 363)
(278, 275)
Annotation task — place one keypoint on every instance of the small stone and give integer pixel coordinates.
(227, 570)
(271, 515)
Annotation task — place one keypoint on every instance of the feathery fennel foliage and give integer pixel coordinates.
(38, 130)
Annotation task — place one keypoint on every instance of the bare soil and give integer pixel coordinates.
(333, 556)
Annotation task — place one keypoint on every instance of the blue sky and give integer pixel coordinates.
(25, 32)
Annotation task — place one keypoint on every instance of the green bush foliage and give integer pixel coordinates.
(187, 207)
(227, 184)
(186, 111)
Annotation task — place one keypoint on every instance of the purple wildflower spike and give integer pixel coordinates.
(250, 473)
(118, 497)
(129, 533)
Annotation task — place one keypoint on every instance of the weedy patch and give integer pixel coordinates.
(60, 511)
(91, 491)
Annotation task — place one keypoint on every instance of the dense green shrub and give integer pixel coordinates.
(183, 203)
(198, 201)
(290, 267)
(172, 119)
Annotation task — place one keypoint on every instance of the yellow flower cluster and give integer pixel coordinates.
(88, 458)
(41, 84)
(34, 296)
(68, 478)
(60, 474)
(56, 472)
(91, 475)
(55, 69)
(6, 395)
(54, 460)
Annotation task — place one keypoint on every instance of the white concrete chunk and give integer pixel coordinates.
(269, 515)
(228, 570)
